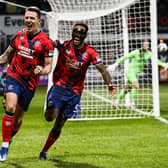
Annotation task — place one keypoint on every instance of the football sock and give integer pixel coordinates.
(16, 128)
(121, 95)
(7, 126)
(133, 95)
(52, 137)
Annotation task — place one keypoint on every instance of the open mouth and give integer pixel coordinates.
(76, 40)
(29, 26)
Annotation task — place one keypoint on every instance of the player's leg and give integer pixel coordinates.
(52, 112)
(15, 94)
(7, 123)
(61, 105)
(135, 87)
(53, 135)
(121, 95)
(19, 113)
(133, 78)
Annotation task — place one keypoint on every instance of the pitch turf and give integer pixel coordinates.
(138, 143)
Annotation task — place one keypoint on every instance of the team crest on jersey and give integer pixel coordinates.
(21, 38)
(67, 51)
(84, 56)
(37, 44)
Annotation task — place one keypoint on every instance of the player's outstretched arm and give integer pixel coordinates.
(7, 55)
(162, 64)
(130, 55)
(106, 77)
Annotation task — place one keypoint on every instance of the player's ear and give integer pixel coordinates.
(40, 20)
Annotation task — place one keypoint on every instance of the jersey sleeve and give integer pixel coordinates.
(95, 57)
(13, 40)
(160, 63)
(127, 56)
(49, 50)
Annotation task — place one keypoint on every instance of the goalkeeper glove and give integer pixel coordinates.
(112, 67)
(111, 89)
(166, 66)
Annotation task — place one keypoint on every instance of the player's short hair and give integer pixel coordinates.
(145, 40)
(81, 24)
(34, 9)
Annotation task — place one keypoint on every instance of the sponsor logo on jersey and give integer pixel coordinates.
(25, 52)
(74, 64)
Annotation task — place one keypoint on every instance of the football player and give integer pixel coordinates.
(30, 52)
(63, 99)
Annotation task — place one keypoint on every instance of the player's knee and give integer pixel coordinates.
(51, 114)
(48, 117)
(136, 86)
(126, 89)
(10, 107)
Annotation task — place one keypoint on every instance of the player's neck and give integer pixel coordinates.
(33, 33)
(143, 51)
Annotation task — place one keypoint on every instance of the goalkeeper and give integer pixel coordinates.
(139, 59)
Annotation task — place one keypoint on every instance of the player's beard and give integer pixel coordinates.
(144, 50)
(31, 28)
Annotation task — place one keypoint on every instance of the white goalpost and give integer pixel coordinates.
(116, 27)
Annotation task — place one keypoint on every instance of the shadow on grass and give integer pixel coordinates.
(57, 163)
(17, 165)
(60, 163)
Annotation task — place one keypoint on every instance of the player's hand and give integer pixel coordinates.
(38, 69)
(166, 66)
(112, 67)
(111, 89)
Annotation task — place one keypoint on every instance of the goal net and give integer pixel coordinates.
(116, 27)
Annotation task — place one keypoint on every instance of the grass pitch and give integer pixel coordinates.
(137, 143)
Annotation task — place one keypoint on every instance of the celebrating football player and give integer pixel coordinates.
(30, 52)
(63, 98)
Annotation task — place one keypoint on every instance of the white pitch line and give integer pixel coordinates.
(162, 119)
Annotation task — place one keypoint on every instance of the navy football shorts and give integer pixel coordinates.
(64, 100)
(24, 94)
